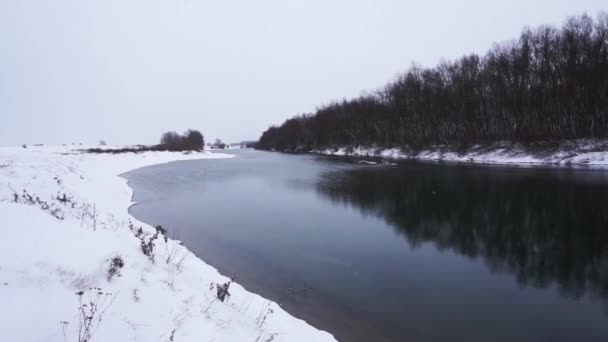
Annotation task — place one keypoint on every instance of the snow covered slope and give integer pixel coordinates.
(574, 152)
(70, 251)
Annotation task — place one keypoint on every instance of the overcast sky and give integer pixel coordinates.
(127, 70)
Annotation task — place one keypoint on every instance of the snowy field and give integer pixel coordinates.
(75, 266)
(579, 152)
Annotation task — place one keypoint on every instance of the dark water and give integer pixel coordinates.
(415, 252)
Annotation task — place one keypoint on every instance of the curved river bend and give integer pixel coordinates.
(413, 252)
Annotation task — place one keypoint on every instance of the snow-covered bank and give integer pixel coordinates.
(66, 233)
(579, 152)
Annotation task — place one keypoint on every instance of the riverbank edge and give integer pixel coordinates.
(87, 234)
(584, 152)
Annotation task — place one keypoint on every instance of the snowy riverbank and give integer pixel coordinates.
(67, 237)
(579, 152)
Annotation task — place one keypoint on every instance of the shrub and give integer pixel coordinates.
(222, 291)
(116, 264)
(90, 312)
(162, 231)
(29, 199)
(147, 247)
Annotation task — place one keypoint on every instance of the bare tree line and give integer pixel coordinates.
(550, 84)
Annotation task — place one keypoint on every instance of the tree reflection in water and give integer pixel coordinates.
(544, 226)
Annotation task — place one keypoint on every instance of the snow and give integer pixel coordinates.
(588, 152)
(53, 247)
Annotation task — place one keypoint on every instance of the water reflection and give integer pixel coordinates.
(544, 227)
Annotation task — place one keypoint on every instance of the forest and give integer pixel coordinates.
(549, 84)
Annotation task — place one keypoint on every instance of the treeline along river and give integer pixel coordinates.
(549, 84)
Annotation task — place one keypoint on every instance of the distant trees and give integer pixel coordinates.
(550, 84)
(190, 140)
(195, 139)
(171, 139)
(219, 144)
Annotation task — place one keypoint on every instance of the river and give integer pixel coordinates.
(408, 252)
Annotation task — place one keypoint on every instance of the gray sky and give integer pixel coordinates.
(127, 70)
